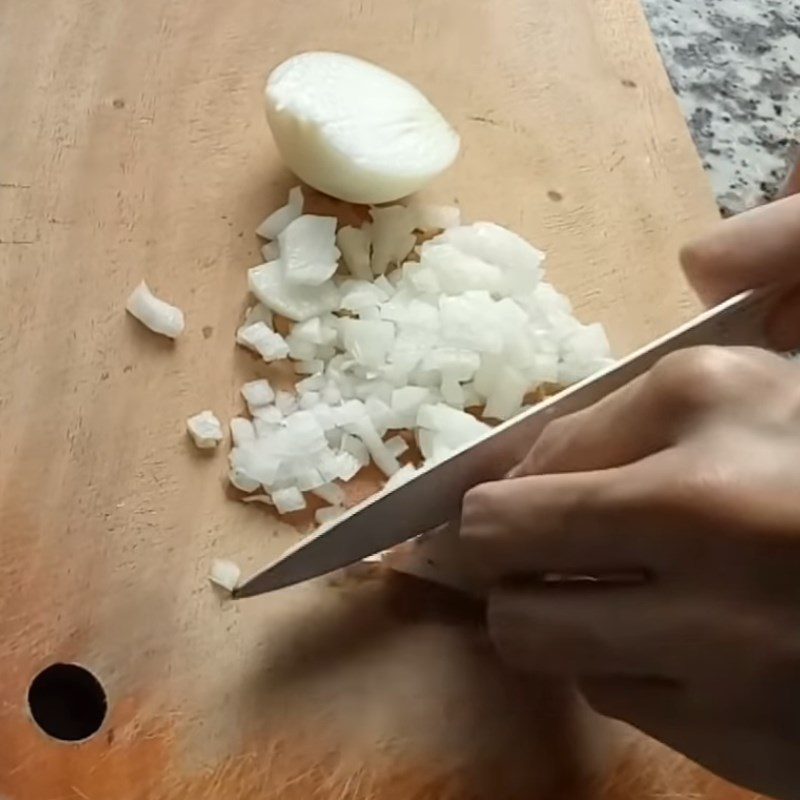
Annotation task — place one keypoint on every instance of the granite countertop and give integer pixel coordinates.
(735, 66)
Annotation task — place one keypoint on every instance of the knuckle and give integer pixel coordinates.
(550, 442)
(699, 486)
(700, 378)
(699, 255)
(477, 511)
(600, 699)
(483, 528)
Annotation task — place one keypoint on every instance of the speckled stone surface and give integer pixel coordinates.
(735, 66)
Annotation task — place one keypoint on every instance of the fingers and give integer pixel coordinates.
(791, 184)
(648, 702)
(653, 411)
(583, 632)
(757, 248)
(783, 326)
(665, 709)
(686, 722)
(581, 523)
(617, 430)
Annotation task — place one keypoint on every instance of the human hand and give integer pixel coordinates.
(688, 480)
(758, 248)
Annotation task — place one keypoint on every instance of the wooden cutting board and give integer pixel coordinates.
(134, 145)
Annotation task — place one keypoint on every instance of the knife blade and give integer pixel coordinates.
(433, 496)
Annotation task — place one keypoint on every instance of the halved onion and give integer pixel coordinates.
(355, 130)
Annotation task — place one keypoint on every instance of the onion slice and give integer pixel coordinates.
(154, 313)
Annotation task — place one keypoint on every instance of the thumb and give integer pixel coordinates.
(757, 248)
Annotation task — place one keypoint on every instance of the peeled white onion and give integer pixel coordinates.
(354, 130)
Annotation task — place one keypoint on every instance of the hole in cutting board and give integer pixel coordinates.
(67, 702)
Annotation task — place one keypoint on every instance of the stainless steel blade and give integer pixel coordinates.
(434, 495)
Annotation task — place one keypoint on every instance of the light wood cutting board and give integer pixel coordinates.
(134, 145)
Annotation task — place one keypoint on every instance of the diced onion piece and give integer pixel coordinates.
(392, 237)
(468, 323)
(331, 493)
(205, 430)
(358, 295)
(270, 251)
(224, 573)
(457, 272)
(505, 399)
(354, 130)
(368, 341)
(239, 478)
(451, 391)
(355, 246)
(278, 220)
(353, 445)
(252, 463)
(544, 368)
(384, 460)
(315, 331)
(406, 402)
(288, 500)
(348, 466)
(299, 349)
(154, 313)
(311, 384)
(308, 479)
(454, 362)
(421, 277)
(257, 394)
(328, 514)
(257, 313)
(396, 445)
(455, 428)
(271, 414)
(271, 346)
(311, 367)
(242, 431)
(471, 396)
(403, 475)
(380, 414)
(285, 401)
(309, 400)
(431, 217)
(294, 301)
(263, 499)
(308, 250)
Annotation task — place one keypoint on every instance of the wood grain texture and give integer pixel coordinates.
(134, 145)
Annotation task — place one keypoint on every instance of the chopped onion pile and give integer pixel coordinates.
(404, 336)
